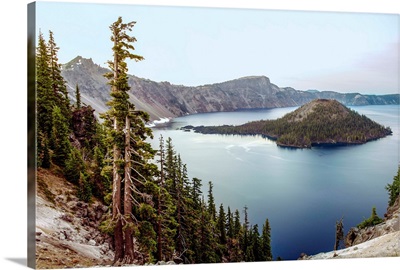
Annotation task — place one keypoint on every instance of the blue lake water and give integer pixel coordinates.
(302, 192)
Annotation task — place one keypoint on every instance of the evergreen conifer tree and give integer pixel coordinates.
(194, 213)
(78, 97)
(393, 189)
(166, 224)
(234, 235)
(57, 80)
(245, 237)
(256, 244)
(196, 192)
(237, 225)
(207, 237)
(45, 103)
(170, 170)
(211, 203)
(221, 223)
(74, 166)
(266, 241)
(221, 233)
(60, 137)
(51, 93)
(84, 188)
(229, 223)
(130, 151)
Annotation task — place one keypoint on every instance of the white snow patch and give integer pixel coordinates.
(158, 122)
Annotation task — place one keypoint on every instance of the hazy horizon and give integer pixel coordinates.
(193, 46)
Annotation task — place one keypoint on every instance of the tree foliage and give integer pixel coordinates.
(78, 97)
(60, 137)
(131, 169)
(156, 211)
(374, 219)
(394, 188)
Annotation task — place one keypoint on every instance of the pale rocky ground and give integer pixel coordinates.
(66, 229)
(387, 245)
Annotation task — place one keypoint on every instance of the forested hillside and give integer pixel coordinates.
(320, 122)
(154, 211)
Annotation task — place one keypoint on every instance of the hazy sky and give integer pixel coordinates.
(344, 52)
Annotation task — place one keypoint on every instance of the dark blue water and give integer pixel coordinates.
(302, 192)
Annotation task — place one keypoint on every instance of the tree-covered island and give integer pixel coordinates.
(319, 122)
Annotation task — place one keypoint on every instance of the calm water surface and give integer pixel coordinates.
(302, 192)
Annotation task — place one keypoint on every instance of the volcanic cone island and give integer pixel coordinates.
(321, 122)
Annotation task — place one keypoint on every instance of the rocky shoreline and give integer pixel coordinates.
(381, 240)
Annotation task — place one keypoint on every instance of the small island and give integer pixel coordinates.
(321, 122)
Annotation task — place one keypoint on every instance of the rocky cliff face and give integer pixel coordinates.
(381, 240)
(165, 100)
(391, 224)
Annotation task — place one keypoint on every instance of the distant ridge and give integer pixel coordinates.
(165, 100)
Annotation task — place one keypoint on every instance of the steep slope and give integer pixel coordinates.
(391, 224)
(319, 122)
(165, 100)
(67, 232)
(381, 240)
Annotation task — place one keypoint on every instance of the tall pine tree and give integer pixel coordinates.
(211, 202)
(78, 97)
(58, 82)
(126, 125)
(60, 137)
(166, 224)
(266, 241)
(45, 102)
(51, 93)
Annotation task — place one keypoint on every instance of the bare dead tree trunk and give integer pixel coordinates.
(116, 200)
(129, 247)
(159, 223)
(179, 246)
(339, 236)
(117, 207)
(159, 231)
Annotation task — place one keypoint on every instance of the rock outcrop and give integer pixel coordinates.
(67, 233)
(391, 224)
(381, 240)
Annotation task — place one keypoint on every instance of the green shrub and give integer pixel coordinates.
(107, 226)
(371, 221)
(74, 165)
(85, 188)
